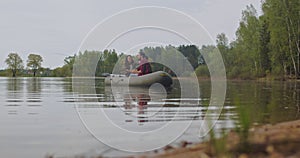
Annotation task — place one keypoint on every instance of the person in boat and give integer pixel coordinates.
(144, 65)
(129, 65)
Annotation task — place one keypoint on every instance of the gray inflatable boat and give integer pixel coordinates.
(144, 81)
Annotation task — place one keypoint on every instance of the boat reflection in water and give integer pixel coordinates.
(134, 102)
(141, 106)
(140, 116)
(151, 107)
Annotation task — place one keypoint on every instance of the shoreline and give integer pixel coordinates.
(265, 79)
(276, 141)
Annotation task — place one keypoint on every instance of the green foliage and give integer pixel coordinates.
(192, 53)
(107, 62)
(34, 63)
(3, 73)
(248, 40)
(96, 63)
(88, 63)
(264, 40)
(183, 59)
(67, 69)
(284, 23)
(14, 63)
(244, 125)
(266, 46)
(202, 71)
(61, 72)
(154, 53)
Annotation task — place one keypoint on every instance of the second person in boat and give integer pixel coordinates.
(144, 66)
(129, 65)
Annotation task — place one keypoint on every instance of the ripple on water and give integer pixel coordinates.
(14, 100)
(33, 100)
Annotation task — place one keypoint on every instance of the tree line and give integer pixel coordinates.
(99, 62)
(266, 45)
(15, 63)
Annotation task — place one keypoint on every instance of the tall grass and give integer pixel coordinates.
(243, 125)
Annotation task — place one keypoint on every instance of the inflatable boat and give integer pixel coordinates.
(144, 81)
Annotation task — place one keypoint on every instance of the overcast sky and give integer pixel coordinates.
(55, 28)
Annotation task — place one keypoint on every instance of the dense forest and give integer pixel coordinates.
(266, 46)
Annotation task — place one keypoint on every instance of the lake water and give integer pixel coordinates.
(45, 116)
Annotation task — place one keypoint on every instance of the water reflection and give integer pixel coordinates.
(23, 92)
(136, 106)
(40, 113)
(267, 102)
(14, 85)
(35, 122)
(142, 100)
(14, 93)
(33, 86)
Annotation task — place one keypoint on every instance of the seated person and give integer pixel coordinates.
(144, 66)
(129, 65)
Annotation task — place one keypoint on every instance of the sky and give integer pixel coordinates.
(55, 29)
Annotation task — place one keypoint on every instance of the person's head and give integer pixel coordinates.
(129, 60)
(141, 55)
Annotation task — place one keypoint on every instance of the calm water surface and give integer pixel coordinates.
(38, 116)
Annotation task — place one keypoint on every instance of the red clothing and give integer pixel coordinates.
(144, 67)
